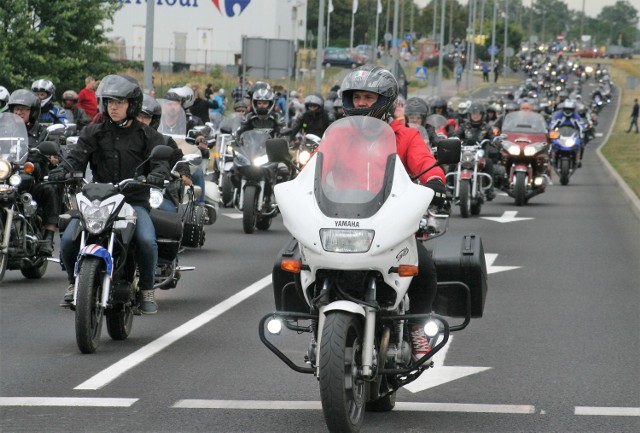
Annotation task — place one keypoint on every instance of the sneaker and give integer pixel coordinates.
(419, 342)
(68, 296)
(491, 194)
(579, 164)
(148, 304)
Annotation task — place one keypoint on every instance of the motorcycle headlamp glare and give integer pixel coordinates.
(513, 149)
(95, 215)
(532, 149)
(5, 169)
(303, 157)
(155, 198)
(346, 240)
(230, 149)
(260, 160)
(568, 142)
(15, 180)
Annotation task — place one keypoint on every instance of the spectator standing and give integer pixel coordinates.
(634, 116)
(485, 72)
(201, 107)
(496, 71)
(208, 91)
(215, 114)
(87, 97)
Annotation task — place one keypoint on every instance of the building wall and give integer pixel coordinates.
(204, 32)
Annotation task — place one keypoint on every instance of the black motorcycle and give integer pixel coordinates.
(256, 172)
(21, 230)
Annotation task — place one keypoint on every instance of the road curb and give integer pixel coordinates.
(629, 196)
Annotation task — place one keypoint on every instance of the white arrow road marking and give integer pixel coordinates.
(508, 216)
(490, 258)
(119, 368)
(441, 374)
(67, 401)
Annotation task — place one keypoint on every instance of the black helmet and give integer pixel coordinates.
(151, 108)
(416, 107)
(47, 87)
(439, 102)
(313, 99)
(476, 108)
(372, 79)
(263, 94)
(27, 98)
(120, 87)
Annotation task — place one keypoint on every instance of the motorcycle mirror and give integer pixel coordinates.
(449, 151)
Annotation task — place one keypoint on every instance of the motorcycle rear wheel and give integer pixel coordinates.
(465, 199)
(520, 188)
(89, 312)
(249, 209)
(227, 190)
(119, 322)
(342, 392)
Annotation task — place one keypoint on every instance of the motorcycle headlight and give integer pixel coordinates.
(303, 157)
(5, 169)
(532, 149)
(155, 198)
(513, 149)
(15, 179)
(260, 160)
(346, 240)
(230, 149)
(95, 215)
(568, 142)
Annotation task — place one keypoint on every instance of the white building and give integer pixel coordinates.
(205, 32)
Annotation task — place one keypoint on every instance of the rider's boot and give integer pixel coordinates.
(46, 247)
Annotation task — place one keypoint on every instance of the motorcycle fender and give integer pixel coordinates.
(466, 175)
(521, 168)
(95, 250)
(347, 306)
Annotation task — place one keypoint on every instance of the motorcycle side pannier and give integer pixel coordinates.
(460, 258)
(194, 218)
(168, 227)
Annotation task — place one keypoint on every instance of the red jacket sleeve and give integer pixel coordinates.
(414, 153)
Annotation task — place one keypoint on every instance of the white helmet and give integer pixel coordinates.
(4, 98)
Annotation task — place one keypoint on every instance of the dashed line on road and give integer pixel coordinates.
(67, 401)
(119, 368)
(607, 411)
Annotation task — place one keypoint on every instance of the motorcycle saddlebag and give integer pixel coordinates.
(287, 291)
(193, 233)
(168, 227)
(460, 258)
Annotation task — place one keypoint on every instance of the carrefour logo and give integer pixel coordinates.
(229, 8)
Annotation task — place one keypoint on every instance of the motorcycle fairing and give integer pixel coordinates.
(395, 222)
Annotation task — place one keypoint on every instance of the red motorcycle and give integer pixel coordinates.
(524, 156)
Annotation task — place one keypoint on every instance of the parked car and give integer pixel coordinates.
(340, 57)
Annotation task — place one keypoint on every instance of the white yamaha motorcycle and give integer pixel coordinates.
(354, 212)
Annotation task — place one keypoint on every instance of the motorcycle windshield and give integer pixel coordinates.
(567, 131)
(253, 145)
(355, 167)
(527, 122)
(14, 141)
(437, 121)
(173, 121)
(230, 124)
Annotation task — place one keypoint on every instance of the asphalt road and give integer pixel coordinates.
(558, 348)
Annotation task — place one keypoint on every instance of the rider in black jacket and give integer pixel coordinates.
(315, 119)
(115, 149)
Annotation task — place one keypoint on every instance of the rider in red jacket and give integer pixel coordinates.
(373, 91)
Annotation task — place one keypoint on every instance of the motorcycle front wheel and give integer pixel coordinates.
(249, 209)
(564, 171)
(227, 190)
(465, 199)
(342, 392)
(89, 312)
(4, 257)
(520, 188)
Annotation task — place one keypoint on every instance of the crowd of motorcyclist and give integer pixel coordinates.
(118, 128)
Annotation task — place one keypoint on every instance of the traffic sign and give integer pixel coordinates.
(422, 73)
(493, 50)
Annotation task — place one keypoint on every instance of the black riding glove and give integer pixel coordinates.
(58, 174)
(440, 196)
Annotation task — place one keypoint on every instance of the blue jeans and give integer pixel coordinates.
(198, 179)
(145, 241)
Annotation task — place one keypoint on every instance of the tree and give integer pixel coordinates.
(61, 40)
(619, 22)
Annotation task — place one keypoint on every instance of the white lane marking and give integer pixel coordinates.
(316, 405)
(508, 216)
(607, 411)
(234, 216)
(491, 269)
(67, 401)
(119, 368)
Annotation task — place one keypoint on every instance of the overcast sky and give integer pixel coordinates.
(591, 7)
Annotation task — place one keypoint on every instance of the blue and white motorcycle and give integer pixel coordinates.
(566, 147)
